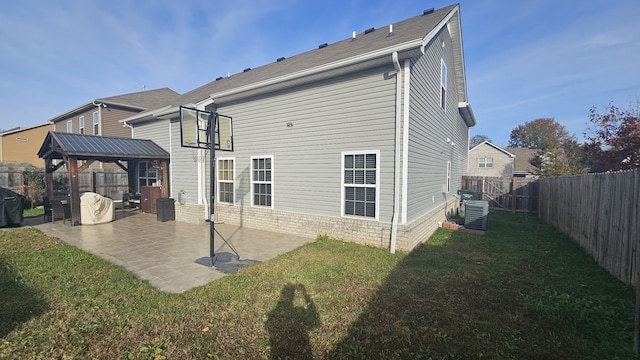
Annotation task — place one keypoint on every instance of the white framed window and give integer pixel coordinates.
(485, 162)
(226, 176)
(448, 184)
(70, 126)
(360, 185)
(262, 181)
(147, 174)
(443, 84)
(96, 123)
(81, 124)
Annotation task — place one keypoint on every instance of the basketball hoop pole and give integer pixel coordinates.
(212, 187)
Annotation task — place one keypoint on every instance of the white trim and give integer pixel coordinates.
(93, 123)
(69, 126)
(405, 139)
(443, 84)
(322, 68)
(493, 146)
(263, 182)
(232, 181)
(173, 193)
(377, 185)
(436, 29)
(448, 181)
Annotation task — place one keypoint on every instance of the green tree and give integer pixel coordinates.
(33, 186)
(542, 134)
(477, 140)
(558, 152)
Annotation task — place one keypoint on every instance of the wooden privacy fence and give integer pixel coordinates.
(11, 179)
(511, 194)
(600, 212)
(100, 181)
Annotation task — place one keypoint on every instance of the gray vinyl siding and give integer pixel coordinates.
(184, 167)
(352, 113)
(158, 131)
(429, 127)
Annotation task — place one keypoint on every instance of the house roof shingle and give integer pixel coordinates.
(408, 35)
(141, 100)
(522, 161)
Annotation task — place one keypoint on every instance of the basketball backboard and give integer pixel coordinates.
(195, 126)
(224, 133)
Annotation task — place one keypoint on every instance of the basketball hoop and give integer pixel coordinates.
(199, 130)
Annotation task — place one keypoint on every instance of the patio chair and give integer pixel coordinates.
(118, 198)
(60, 211)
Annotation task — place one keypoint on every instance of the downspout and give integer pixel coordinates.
(396, 183)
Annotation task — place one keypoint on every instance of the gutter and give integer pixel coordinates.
(396, 182)
(467, 114)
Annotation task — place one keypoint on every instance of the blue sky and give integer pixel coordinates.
(524, 59)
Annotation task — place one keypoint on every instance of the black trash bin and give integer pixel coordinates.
(165, 209)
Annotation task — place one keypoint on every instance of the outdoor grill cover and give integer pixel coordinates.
(96, 209)
(11, 205)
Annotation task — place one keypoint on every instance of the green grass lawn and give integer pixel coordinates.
(522, 291)
(33, 212)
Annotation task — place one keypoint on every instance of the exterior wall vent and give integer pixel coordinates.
(280, 59)
(428, 11)
(475, 214)
(323, 46)
(369, 30)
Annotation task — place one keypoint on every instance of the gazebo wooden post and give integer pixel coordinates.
(74, 196)
(48, 176)
(132, 167)
(164, 186)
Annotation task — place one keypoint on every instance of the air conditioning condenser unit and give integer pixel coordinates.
(475, 214)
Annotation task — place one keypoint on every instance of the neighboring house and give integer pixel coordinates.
(522, 164)
(490, 160)
(21, 145)
(364, 139)
(102, 116)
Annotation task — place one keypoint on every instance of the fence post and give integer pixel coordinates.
(513, 195)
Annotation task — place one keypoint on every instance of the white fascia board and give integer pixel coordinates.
(322, 68)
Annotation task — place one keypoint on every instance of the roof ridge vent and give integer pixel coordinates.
(428, 11)
(323, 46)
(280, 59)
(219, 78)
(247, 69)
(369, 30)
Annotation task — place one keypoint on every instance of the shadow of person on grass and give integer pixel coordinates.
(18, 303)
(289, 324)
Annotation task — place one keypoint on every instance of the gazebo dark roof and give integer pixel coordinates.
(57, 145)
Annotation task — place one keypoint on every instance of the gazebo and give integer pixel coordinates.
(71, 148)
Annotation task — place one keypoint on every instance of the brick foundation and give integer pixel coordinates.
(360, 231)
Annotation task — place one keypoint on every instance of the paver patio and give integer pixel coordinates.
(165, 253)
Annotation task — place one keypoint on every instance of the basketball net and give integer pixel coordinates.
(199, 155)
